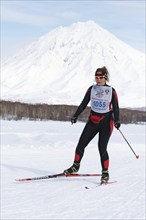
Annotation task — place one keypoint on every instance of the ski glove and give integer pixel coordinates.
(117, 124)
(74, 119)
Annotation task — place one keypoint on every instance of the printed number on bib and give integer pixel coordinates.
(99, 104)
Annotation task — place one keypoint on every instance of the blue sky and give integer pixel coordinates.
(23, 22)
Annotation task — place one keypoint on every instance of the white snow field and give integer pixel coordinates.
(35, 148)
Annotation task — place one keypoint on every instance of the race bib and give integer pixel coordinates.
(101, 98)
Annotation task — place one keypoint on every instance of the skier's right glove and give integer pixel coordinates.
(74, 119)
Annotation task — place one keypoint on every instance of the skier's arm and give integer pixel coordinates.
(83, 104)
(115, 106)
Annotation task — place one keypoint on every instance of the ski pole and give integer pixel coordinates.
(137, 156)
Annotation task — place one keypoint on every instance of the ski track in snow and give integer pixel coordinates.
(30, 149)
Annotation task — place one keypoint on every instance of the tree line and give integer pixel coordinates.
(17, 111)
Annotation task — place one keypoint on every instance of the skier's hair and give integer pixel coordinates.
(104, 71)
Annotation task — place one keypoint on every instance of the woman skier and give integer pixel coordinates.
(103, 115)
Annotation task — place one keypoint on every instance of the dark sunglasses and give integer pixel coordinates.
(100, 77)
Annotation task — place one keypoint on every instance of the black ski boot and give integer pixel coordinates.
(105, 176)
(73, 169)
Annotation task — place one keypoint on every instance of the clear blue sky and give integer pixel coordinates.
(25, 21)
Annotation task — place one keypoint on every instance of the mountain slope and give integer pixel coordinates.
(60, 66)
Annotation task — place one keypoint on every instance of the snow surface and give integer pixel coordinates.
(30, 149)
(60, 66)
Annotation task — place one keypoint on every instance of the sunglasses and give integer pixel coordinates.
(100, 77)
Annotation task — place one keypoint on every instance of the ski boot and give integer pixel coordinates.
(73, 169)
(104, 176)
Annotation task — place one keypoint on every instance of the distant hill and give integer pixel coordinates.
(60, 66)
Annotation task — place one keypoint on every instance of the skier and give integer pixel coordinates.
(103, 116)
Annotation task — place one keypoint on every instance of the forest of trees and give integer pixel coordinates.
(17, 111)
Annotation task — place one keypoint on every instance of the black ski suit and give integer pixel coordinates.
(101, 123)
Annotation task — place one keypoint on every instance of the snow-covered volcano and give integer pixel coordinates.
(60, 66)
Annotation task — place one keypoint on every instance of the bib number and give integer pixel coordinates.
(99, 104)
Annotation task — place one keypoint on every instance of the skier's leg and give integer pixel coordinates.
(87, 135)
(104, 136)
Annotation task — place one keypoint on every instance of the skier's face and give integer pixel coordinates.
(100, 80)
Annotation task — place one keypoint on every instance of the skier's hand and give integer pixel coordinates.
(117, 124)
(74, 120)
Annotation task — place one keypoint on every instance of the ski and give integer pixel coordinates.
(100, 184)
(55, 176)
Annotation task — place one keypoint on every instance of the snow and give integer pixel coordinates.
(59, 67)
(35, 148)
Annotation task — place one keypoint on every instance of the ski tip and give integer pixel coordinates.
(100, 184)
(22, 180)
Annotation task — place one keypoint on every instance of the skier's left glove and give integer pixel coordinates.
(74, 119)
(117, 124)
